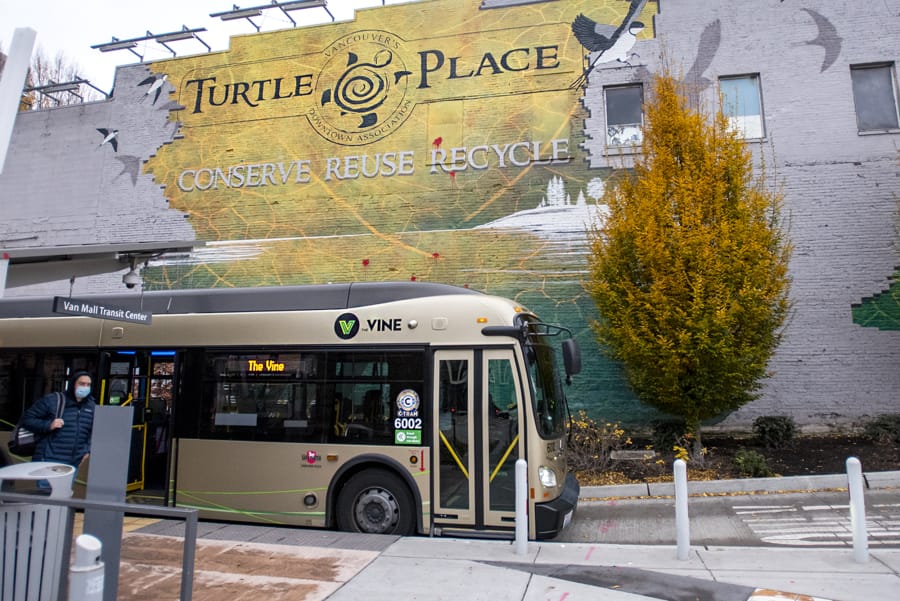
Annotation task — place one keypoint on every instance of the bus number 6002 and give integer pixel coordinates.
(408, 423)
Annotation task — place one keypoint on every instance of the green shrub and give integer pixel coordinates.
(883, 429)
(774, 431)
(752, 464)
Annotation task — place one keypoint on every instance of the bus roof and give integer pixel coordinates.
(232, 300)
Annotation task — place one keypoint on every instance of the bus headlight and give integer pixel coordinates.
(547, 476)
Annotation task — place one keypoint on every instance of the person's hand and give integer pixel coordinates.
(57, 424)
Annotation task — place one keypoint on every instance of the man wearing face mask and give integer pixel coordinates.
(66, 438)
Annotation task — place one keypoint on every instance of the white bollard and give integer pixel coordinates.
(86, 572)
(521, 507)
(857, 511)
(682, 526)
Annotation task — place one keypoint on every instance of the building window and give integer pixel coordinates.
(742, 104)
(624, 115)
(875, 97)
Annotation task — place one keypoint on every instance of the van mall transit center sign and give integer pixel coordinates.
(71, 306)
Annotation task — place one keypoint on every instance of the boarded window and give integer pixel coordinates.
(875, 97)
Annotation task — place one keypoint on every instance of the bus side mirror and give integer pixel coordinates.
(571, 358)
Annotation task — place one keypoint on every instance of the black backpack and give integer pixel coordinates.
(22, 442)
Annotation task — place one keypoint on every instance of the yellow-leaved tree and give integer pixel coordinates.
(689, 270)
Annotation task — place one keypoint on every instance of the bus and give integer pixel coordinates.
(390, 407)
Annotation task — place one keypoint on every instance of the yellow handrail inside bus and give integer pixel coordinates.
(509, 449)
(454, 455)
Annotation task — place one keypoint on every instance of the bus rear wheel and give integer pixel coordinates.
(376, 502)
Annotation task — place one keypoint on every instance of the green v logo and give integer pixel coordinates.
(346, 326)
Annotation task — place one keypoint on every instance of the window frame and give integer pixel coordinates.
(610, 141)
(891, 69)
(732, 118)
(326, 394)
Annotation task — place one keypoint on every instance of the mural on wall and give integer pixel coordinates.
(827, 38)
(882, 310)
(394, 148)
(609, 44)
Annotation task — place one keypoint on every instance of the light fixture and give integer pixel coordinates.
(72, 87)
(163, 38)
(117, 44)
(239, 13)
(301, 4)
(177, 36)
(51, 88)
(255, 11)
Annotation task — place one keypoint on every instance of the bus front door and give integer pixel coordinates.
(477, 440)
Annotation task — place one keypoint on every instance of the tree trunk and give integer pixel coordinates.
(695, 452)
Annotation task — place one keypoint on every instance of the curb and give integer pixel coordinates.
(873, 480)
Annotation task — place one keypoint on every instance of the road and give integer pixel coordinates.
(815, 519)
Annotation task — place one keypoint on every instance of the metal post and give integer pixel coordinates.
(857, 511)
(86, 573)
(682, 526)
(521, 507)
(11, 83)
(187, 557)
(107, 478)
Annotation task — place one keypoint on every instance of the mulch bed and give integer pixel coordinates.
(803, 455)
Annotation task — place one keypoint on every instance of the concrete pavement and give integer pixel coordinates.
(437, 569)
(241, 562)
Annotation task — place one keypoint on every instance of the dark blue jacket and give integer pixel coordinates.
(68, 444)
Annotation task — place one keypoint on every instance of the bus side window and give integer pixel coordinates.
(342, 408)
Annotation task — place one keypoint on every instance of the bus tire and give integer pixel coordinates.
(376, 502)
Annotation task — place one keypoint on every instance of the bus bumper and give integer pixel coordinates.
(551, 517)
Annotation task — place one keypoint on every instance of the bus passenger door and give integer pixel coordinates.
(501, 436)
(477, 439)
(142, 380)
(453, 503)
(124, 384)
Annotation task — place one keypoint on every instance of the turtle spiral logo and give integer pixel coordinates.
(361, 89)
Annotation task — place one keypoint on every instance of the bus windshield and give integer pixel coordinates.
(546, 386)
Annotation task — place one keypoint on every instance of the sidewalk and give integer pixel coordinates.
(241, 562)
(437, 569)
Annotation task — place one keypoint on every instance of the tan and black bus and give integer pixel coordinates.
(396, 407)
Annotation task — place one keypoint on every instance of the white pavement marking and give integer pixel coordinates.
(807, 526)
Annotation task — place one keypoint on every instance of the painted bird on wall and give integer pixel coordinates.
(155, 82)
(613, 44)
(109, 137)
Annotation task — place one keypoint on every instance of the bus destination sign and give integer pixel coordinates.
(71, 306)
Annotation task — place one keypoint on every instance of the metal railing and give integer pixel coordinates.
(188, 515)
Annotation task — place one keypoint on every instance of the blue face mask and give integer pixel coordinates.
(82, 391)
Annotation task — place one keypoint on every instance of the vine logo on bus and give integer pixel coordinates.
(346, 326)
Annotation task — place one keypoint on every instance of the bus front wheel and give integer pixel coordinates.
(376, 502)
